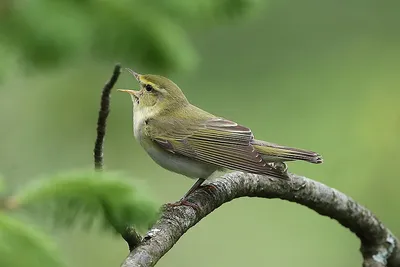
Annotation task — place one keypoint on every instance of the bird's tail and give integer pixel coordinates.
(273, 152)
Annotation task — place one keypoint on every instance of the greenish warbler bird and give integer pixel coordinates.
(190, 141)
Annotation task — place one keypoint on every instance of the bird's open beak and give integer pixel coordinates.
(135, 74)
(133, 93)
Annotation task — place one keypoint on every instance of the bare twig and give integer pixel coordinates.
(127, 232)
(379, 247)
(102, 119)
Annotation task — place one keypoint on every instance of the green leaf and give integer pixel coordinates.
(22, 246)
(73, 197)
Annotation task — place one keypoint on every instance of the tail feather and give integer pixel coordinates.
(274, 152)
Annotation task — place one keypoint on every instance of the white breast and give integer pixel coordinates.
(139, 120)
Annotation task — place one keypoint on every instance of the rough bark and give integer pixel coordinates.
(378, 245)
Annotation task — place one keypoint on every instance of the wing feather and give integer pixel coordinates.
(219, 142)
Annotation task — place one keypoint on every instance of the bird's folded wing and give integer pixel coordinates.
(217, 141)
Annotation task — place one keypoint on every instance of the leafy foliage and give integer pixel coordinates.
(21, 245)
(147, 32)
(70, 198)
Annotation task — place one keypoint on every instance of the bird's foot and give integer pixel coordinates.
(184, 202)
(280, 166)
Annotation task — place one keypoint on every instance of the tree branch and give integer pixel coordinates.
(379, 247)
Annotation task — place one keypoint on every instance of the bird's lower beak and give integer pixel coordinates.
(133, 93)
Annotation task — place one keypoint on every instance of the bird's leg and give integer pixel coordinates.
(183, 201)
(196, 185)
(279, 166)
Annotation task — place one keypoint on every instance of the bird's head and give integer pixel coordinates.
(156, 93)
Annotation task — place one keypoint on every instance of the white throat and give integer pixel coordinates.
(140, 116)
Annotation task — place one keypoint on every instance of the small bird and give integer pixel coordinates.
(187, 140)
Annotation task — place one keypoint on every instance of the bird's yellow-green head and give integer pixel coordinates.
(156, 92)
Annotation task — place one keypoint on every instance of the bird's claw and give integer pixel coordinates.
(209, 187)
(184, 202)
(280, 166)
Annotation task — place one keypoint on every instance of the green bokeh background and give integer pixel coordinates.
(321, 75)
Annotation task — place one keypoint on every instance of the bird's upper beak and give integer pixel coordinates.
(135, 74)
(133, 93)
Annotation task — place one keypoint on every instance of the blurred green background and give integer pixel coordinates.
(321, 75)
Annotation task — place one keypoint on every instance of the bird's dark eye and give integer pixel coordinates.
(148, 87)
